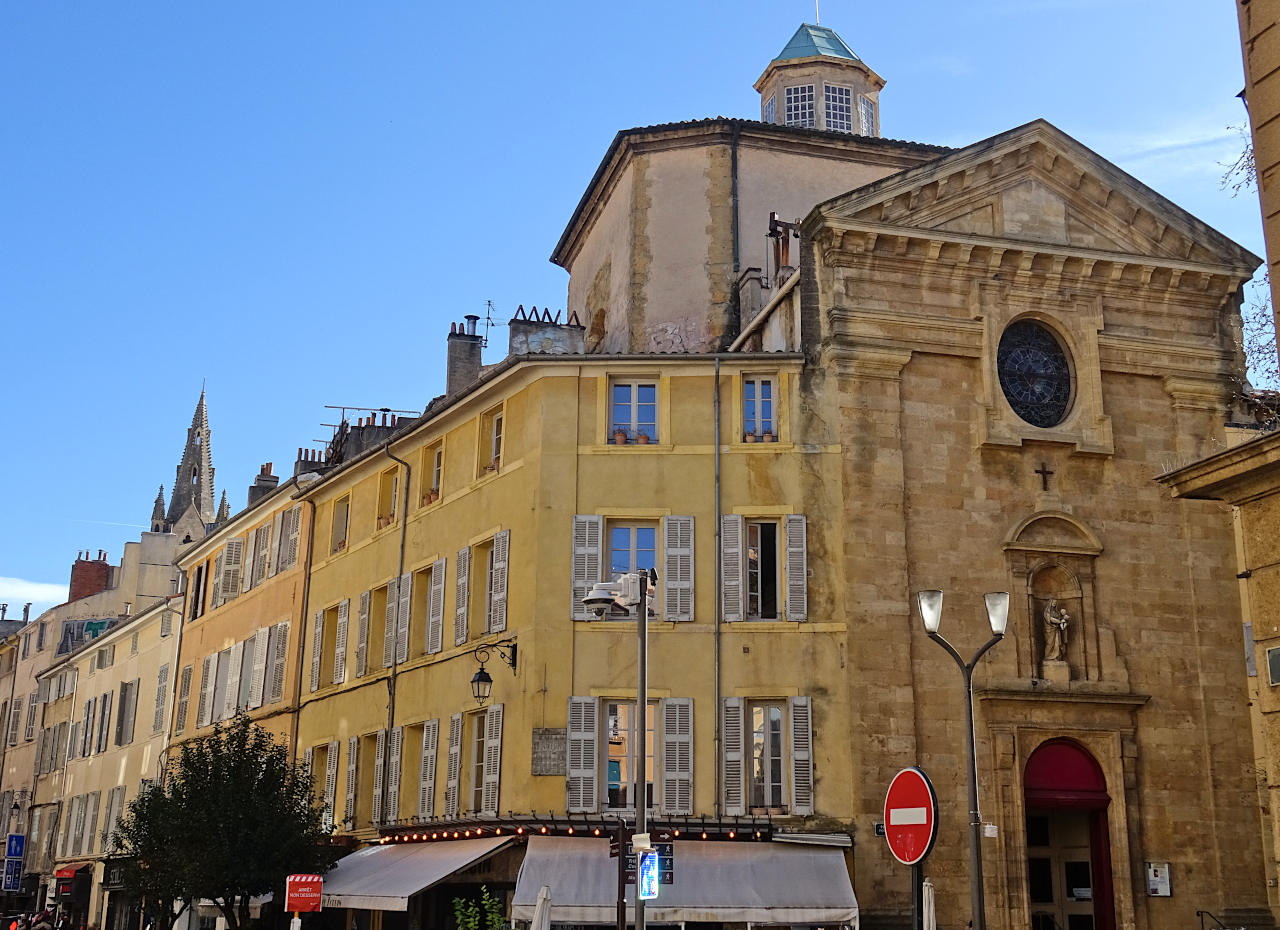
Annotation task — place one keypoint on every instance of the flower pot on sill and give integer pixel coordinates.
(749, 437)
(620, 437)
(768, 437)
(642, 439)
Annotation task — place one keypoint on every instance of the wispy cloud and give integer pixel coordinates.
(18, 591)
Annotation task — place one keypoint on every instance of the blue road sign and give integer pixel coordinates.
(14, 848)
(649, 882)
(12, 874)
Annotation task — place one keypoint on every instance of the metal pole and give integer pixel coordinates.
(642, 726)
(975, 817)
(622, 874)
(917, 898)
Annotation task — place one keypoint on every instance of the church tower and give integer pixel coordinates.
(817, 82)
(158, 524)
(193, 484)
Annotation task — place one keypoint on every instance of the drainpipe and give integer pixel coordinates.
(719, 574)
(395, 653)
(302, 629)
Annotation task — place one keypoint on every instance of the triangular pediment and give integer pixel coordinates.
(1035, 184)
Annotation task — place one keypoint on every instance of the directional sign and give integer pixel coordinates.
(647, 887)
(910, 816)
(14, 847)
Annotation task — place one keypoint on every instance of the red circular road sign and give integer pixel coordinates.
(910, 816)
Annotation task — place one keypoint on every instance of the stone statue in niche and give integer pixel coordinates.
(1056, 621)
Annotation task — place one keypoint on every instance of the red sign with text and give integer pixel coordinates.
(302, 893)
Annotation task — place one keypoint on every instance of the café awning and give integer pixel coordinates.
(383, 878)
(71, 868)
(737, 882)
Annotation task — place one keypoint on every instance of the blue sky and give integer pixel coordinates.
(292, 200)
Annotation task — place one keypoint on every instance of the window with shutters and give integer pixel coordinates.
(602, 745)
(196, 583)
(338, 524)
(764, 565)
(318, 764)
(768, 756)
(388, 494)
(433, 473)
(285, 544)
(26, 646)
(474, 728)
(222, 674)
(127, 713)
(759, 408)
(633, 411)
(377, 636)
(278, 655)
(329, 645)
(489, 561)
(15, 722)
(230, 572)
(491, 440)
(426, 753)
(368, 770)
(259, 560)
(104, 720)
(106, 656)
(42, 632)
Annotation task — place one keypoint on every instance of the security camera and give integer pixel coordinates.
(600, 598)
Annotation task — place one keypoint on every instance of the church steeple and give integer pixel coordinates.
(157, 513)
(193, 486)
(224, 509)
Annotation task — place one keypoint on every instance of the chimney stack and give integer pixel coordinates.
(262, 485)
(26, 611)
(89, 576)
(462, 366)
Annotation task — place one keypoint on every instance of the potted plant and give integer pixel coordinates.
(768, 435)
(750, 436)
(642, 438)
(619, 436)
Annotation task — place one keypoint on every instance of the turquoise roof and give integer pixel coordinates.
(811, 40)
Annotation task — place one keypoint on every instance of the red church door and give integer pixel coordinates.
(1069, 882)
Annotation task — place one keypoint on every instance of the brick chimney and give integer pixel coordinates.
(462, 365)
(89, 576)
(262, 485)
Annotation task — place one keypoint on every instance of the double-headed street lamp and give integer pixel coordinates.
(998, 617)
(632, 591)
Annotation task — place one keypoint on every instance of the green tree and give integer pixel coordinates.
(232, 818)
(485, 914)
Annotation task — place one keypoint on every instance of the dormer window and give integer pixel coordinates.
(839, 108)
(799, 106)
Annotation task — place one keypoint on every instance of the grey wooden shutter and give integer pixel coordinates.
(104, 724)
(677, 755)
(317, 646)
(340, 645)
(492, 760)
(77, 838)
(184, 700)
(277, 539)
(403, 613)
(435, 609)
(582, 759)
(330, 781)
(453, 768)
(733, 738)
(278, 659)
(427, 769)
(162, 695)
(308, 755)
(801, 756)
(732, 568)
(131, 718)
(295, 526)
(353, 758)
(91, 820)
(232, 568)
(262, 555)
(588, 532)
(90, 720)
(461, 593)
(395, 744)
(258, 683)
(677, 578)
(379, 763)
(231, 700)
(362, 635)
(389, 623)
(797, 568)
(497, 618)
(215, 597)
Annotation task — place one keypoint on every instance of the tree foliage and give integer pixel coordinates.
(231, 820)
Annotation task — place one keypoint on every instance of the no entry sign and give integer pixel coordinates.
(910, 816)
(302, 893)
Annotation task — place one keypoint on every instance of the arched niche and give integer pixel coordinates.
(1051, 557)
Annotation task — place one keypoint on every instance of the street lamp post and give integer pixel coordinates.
(632, 591)
(998, 616)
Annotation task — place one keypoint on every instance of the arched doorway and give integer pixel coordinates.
(1069, 882)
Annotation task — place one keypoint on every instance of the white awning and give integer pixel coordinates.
(383, 878)
(735, 882)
